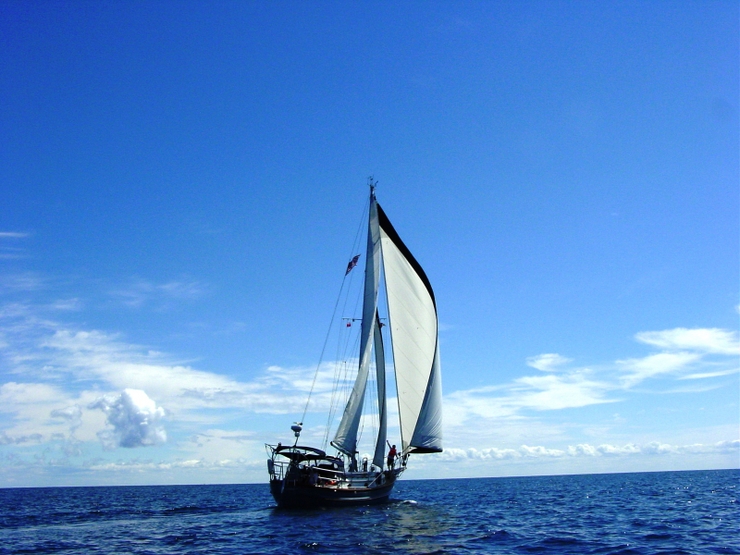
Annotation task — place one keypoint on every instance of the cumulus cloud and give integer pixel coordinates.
(135, 419)
(188, 464)
(491, 453)
(547, 362)
(539, 451)
(585, 450)
(6, 439)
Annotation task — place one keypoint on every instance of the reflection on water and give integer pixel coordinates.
(395, 527)
(413, 527)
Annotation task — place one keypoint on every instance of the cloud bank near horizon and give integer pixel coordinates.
(73, 387)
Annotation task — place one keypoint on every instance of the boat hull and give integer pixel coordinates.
(301, 496)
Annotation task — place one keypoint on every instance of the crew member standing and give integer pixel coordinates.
(391, 456)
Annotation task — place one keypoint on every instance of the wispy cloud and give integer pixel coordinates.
(67, 305)
(140, 292)
(705, 375)
(9, 251)
(548, 362)
(21, 282)
(637, 370)
(687, 354)
(708, 340)
(93, 363)
(574, 389)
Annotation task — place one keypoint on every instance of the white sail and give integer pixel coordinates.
(379, 456)
(346, 437)
(413, 321)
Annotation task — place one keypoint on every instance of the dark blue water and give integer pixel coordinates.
(649, 513)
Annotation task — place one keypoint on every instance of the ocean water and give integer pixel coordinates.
(693, 513)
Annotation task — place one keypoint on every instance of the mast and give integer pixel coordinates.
(346, 437)
(378, 457)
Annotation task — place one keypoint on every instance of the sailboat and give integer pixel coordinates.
(303, 476)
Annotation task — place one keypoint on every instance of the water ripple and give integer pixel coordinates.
(686, 513)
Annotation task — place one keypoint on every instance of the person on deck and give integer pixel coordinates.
(391, 456)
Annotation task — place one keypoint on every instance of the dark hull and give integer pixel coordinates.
(303, 496)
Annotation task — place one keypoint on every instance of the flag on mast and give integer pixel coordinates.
(352, 264)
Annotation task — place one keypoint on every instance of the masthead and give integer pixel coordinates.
(372, 184)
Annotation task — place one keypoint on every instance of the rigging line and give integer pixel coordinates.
(341, 355)
(321, 357)
(342, 386)
(340, 366)
(338, 363)
(333, 315)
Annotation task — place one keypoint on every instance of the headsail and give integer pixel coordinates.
(414, 328)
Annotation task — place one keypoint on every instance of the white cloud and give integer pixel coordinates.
(22, 282)
(10, 252)
(6, 439)
(554, 392)
(547, 362)
(658, 448)
(491, 453)
(15, 394)
(709, 340)
(72, 413)
(539, 451)
(628, 449)
(70, 305)
(637, 370)
(92, 364)
(96, 356)
(135, 419)
(529, 393)
(141, 292)
(585, 450)
(705, 375)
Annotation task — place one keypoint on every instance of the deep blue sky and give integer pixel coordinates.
(180, 184)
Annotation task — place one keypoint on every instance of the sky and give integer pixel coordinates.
(181, 185)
